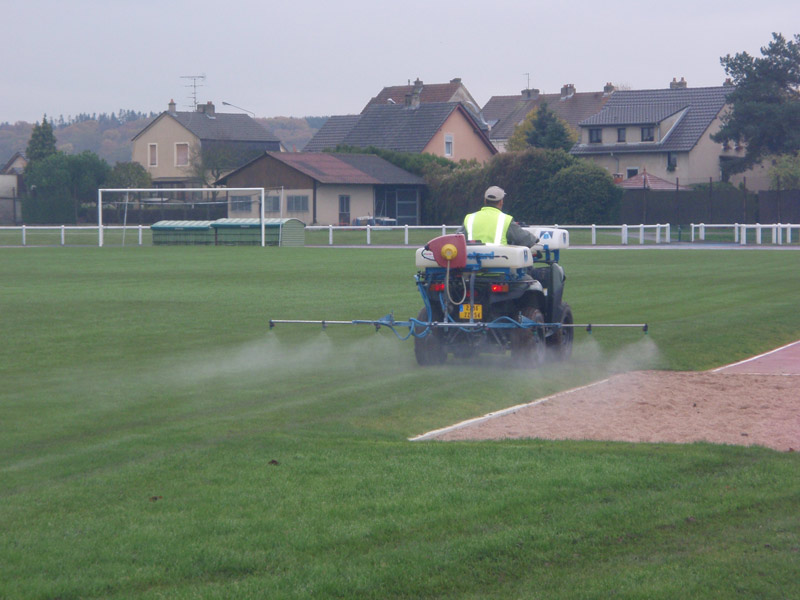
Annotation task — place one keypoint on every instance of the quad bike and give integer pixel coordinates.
(497, 298)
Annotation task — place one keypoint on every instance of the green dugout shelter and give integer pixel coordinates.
(231, 232)
(277, 232)
(182, 233)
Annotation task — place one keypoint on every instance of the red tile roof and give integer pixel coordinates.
(429, 92)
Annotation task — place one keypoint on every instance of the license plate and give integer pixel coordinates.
(465, 312)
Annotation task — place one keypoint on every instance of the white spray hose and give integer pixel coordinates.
(447, 287)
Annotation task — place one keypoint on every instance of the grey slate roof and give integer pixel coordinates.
(390, 127)
(223, 127)
(644, 107)
(395, 127)
(506, 112)
(332, 133)
(635, 114)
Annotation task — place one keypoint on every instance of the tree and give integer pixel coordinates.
(785, 173)
(42, 143)
(59, 184)
(765, 103)
(87, 173)
(129, 175)
(584, 193)
(525, 176)
(542, 129)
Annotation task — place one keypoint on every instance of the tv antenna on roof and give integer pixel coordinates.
(197, 81)
(528, 85)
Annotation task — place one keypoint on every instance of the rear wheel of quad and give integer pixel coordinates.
(528, 345)
(559, 344)
(429, 349)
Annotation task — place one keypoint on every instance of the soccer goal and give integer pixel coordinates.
(125, 210)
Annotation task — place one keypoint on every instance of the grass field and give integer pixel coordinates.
(157, 441)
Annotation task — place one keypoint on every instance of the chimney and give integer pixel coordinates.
(412, 99)
(455, 80)
(608, 89)
(677, 85)
(728, 82)
(530, 94)
(567, 90)
(417, 86)
(171, 106)
(207, 108)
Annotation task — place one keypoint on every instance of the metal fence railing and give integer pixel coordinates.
(411, 235)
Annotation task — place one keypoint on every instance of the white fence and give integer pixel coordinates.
(580, 235)
(781, 232)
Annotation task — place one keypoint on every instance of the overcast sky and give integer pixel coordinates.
(298, 58)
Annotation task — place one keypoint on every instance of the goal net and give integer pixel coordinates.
(123, 213)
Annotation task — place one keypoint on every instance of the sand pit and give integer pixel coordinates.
(756, 402)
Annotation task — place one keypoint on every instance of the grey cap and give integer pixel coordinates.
(494, 194)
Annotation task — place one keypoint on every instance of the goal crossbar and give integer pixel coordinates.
(259, 190)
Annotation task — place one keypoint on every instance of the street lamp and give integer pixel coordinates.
(239, 107)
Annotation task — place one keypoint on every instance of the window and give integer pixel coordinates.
(648, 134)
(621, 132)
(182, 154)
(672, 161)
(297, 204)
(272, 204)
(632, 172)
(241, 204)
(595, 136)
(448, 144)
(152, 155)
(344, 210)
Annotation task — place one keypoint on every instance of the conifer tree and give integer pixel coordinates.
(42, 143)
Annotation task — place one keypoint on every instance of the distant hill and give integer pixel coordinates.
(109, 136)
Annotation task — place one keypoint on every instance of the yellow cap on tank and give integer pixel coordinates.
(449, 252)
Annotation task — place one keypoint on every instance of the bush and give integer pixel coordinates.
(525, 177)
(582, 193)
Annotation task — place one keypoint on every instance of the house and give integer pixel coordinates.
(193, 148)
(11, 189)
(504, 113)
(444, 129)
(665, 132)
(328, 189)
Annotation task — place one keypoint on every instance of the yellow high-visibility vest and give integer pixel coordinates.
(489, 225)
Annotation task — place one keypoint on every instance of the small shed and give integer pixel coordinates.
(277, 232)
(182, 233)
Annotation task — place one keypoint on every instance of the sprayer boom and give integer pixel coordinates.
(484, 298)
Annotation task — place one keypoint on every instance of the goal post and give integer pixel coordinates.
(156, 195)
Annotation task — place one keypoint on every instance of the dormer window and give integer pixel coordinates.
(595, 135)
(621, 134)
(648, 134)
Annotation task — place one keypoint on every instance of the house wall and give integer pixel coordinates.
(654, 163)
(362, 198)
(270, 173)
(466, 145)
(166, 133)
(9, 200)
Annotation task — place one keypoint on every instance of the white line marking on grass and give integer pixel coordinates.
(499, 413)
(747, 360)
